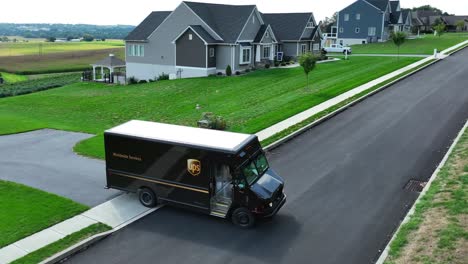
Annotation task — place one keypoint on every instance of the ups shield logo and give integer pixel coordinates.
(193, 167)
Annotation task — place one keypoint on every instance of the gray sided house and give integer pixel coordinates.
(366, 21)
(199, 39)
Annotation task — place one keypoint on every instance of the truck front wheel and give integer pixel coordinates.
(243, 218)
(147, 197)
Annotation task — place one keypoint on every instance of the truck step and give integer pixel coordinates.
(218, 214)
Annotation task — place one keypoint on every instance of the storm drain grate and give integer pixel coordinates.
(415, 185)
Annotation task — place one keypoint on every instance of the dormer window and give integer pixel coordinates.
(190, 37)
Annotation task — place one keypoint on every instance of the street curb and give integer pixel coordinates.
(385, 252)
(341, 109)
(64, 254)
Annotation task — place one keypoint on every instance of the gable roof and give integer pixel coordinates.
(394, 17)
(201, 32)
(110, 61)
(145, 28)
(260, 33)
(380, 4)
(287, 26)
(394, 5)
(226, 20)
(453, 20)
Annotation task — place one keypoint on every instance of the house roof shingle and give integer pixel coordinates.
(453, 20)
(226, 20)
(260, 33)
(110, 61)
(394, 5)
(145, 28)
(380, 4)
(287, 26)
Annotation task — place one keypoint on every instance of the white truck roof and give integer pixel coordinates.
(200, 137)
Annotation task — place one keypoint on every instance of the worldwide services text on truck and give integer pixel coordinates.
(223, 174)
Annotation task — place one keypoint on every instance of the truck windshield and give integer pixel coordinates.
(255, 168)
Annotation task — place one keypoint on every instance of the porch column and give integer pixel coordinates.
(102, 72)
(272, 51)
(111, 70)
(257, 53)
(94, 73)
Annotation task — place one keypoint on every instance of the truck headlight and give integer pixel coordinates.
(271, 204)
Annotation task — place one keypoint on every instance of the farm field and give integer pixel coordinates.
(56, 62)
(42, 48)
(249, 102)
(424, 45)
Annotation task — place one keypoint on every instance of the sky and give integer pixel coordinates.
(112, 12)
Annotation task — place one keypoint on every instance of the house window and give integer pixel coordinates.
(212, 52)
(316, 46)
(358, 16)
(346, 17)
(245, 55)
(357, 30)
(371, 31)
(267, 35)
(266, 52)
(303, 48)
(253, 19)
(136, 50)
(341, 30)
(310, 25)
(190, 37)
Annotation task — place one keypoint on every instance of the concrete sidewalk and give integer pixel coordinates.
(115, 213)
(285, 124)
(126, 208)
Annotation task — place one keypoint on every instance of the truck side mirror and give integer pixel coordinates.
(241, 186)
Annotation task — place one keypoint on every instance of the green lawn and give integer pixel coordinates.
(62, 244)
(25, 211)
(424, 45)
(249, 103)
(42, 48)
(13, 78)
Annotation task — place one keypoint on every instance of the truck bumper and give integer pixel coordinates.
(276, 209)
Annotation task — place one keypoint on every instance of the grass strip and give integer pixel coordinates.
(62, 244)
(30, 211)
(320, 115)
(432, 237)
(36, 85)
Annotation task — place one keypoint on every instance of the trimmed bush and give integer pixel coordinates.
(142, 81)
(283, 64)
(32, 86)
(247, 71)
(132, 80)
(238, 73)
(267, 66)
(220, 74)
(228, 70)
(163, 77)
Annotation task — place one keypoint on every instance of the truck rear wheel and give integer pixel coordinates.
(147, 197)
(243, 218)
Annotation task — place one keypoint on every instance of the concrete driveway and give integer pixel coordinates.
(44, 159)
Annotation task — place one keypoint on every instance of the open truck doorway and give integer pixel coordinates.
(223, 174)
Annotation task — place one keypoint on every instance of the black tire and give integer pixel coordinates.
(147, 197)
(243, 218)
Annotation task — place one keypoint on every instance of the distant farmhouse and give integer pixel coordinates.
(423, 21)
(199, 39)
(366, 21)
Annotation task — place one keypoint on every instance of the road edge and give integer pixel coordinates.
(385, 252)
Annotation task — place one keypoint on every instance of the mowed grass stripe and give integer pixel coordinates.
(249, 103)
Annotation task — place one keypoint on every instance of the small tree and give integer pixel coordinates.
(398, 39)
(460, 25)
(439, 29)
(307, 61)
(51, 39)
(228, 70)
(88, 37)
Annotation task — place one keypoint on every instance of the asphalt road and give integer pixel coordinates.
(344, 180)
(44, 159)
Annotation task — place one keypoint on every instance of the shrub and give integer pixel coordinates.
(38, 85)
(132, 80)
(283, 64)
(163, 77)
(267, 66)
(142, 81)
(254, 68)
(228, 70)
(212, 121)
(277, 64)
(247, 70)
(238, 73)
(151, 80)
(220, 74)
(287, 63)
(292, 62)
